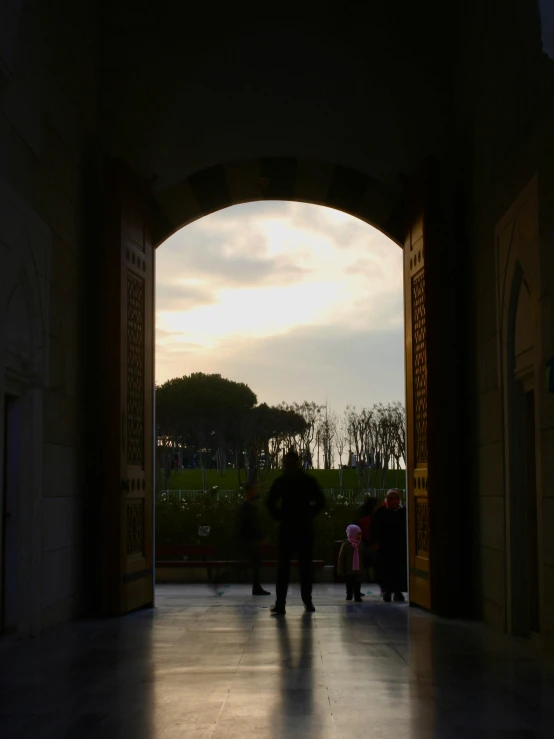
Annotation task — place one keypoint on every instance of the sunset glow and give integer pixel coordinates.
(283, 280)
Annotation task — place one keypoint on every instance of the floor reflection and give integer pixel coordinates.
(211, 666)
(295, 704)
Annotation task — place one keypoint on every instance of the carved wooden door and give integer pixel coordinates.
(127, 356)
(416, 408)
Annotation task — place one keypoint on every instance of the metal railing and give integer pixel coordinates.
(348, 495)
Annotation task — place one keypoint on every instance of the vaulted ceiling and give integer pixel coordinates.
(360, 85)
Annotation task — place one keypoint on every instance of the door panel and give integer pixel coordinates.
(440, 399)
(416, 409)
(127, 349)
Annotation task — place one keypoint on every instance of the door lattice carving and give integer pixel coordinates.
(135, 370)
(420, 367)
(135, 528)
(422, 525)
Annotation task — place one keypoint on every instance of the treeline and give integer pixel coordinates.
(222, 422)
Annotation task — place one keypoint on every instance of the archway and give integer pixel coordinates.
(304, 304)
(126, 351)
(279, 178)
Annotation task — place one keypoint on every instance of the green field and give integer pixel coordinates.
(192, 479)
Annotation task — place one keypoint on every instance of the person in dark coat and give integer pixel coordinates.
(388, 541)
(365, 514)
(250, 534)
(295, 499)
(350, 562)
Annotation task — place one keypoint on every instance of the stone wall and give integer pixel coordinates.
(47, 117)
(504, 93)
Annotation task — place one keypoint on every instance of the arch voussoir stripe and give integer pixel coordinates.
(211, 188)
(307, 180)
(347, 189)
(278, 177)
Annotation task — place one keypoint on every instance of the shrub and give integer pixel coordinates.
(177, 522)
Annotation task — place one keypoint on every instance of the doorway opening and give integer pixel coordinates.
(260, 268)
(10, 509)
(135, 233)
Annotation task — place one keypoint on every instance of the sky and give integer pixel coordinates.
(298, 301)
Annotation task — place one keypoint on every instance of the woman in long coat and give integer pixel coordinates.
(388, 539)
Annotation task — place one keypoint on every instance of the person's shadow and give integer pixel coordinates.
(296, 704)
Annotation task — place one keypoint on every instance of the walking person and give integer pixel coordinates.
(388, 540)
(250, 534)
(349, 565)
(295, 499)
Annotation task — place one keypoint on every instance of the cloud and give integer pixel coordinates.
(346, 231)
(342, 228)
(237, 245)
(297, 300)
(178, 296)
(232, 252)
(341, 365)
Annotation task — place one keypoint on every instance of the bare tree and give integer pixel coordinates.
(341, 441)
(377, 436)
(355, 423)
(326, 432)
(318, 445)
(398, 416)
(310, 412)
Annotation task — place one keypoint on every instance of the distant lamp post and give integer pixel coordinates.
(550, 374)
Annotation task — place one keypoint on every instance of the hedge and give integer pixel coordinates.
(178, 523)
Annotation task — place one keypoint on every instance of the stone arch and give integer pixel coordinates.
(519, 384)
(278, 178)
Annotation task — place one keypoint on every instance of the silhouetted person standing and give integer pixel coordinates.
(388, 539)
(295, 499)
(250, 533)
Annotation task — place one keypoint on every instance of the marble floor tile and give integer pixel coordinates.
(211, 663)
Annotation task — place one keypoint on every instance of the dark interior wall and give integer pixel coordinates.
(176, 90)
(48, 119)
(504, 94)
(354, 85)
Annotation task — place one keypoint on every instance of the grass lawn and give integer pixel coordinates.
(192, 479)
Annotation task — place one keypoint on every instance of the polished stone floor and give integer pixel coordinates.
(212, 663)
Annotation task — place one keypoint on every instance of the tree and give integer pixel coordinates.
(399, 433)
(310, 412)
(170, 435)
(213, 416)
(289, 428)
(341, 441)
(203, 409)
(356, 429)
(326, 432)
(265, 431)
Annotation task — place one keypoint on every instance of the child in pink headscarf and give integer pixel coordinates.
(350, 562)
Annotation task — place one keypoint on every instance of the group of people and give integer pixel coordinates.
(377, 542)
(295, 499)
